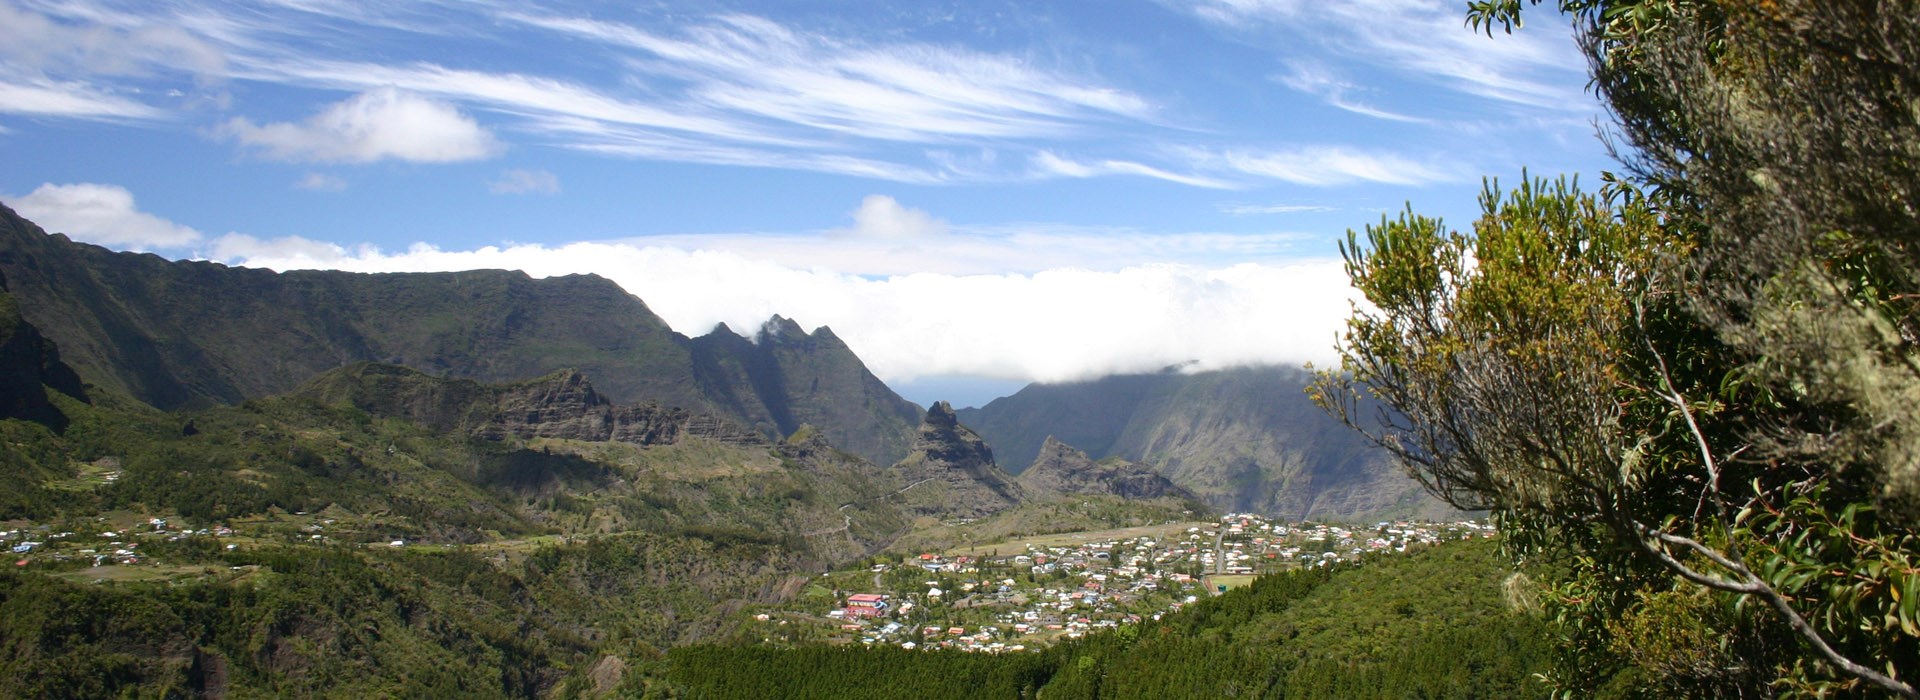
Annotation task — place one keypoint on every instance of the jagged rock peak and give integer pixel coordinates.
(782, 328)
(940, 415)
(1053, 449)
(1064, 469)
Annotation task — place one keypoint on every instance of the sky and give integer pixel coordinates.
(973, 195)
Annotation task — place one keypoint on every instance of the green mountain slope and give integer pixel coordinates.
(194, 334)
(785, 377)
(1245, 440)
(400, 534)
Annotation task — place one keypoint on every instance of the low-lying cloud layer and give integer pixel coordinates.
(1052, 325)
(912, 295)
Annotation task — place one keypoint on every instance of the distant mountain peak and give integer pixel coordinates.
(782, 328)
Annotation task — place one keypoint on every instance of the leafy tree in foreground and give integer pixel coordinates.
(1697, 392)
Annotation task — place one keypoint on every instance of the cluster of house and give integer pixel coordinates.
(40, 543)
(1011, 603)
(1251, 544)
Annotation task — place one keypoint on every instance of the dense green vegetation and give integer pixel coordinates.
(1429, 624)
(304, 546)
(337, 622)
(1694, 392)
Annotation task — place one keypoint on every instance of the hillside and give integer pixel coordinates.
(1062, 469)
(1244, 440)
(1365, 631)
(950, 473)
(195, 334)
(385, 532)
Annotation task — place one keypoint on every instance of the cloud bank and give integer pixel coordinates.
(1092, 310)
(101, 214)
(1051, 325)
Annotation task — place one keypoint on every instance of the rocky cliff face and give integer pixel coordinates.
(1064, 470)
(30, 365)
(560, 405)
(188, 334)
(951, 473)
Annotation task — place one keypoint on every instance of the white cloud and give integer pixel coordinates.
(1051, 325)
(518, 181)
(49, 98)
(1320, 81)
(95, 41)
(1048, 164)
(748, 91)
(1247, 209)
(1539, 69)
(321, 182)
(890, 239)
(376, 125)
(881, 217)
(61, 61)
(752, 67)
(102, 214)
(1328, 165)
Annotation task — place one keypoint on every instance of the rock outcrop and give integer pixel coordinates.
(560, 405)
(1062, 469)
(951, 473)
(29, 366)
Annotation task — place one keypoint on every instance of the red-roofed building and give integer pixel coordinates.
(866, 605)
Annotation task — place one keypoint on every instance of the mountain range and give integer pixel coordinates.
(478, 483)
(192, 335)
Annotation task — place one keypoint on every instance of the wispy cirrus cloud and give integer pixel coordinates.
(1324, 166)
(522, 181)
(1250, 209)
(65, 66)
(1048, 164)
(42, 97)
(739, 89)
(1537, 70)
(321, 182)
(750, 66)
(1320, 81)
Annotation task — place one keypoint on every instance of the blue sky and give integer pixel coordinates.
(969, 190)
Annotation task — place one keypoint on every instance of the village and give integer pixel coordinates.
(1006, 597)
(1023, 595)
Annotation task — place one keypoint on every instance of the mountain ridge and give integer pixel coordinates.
(186, 334)
(1242, 440)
